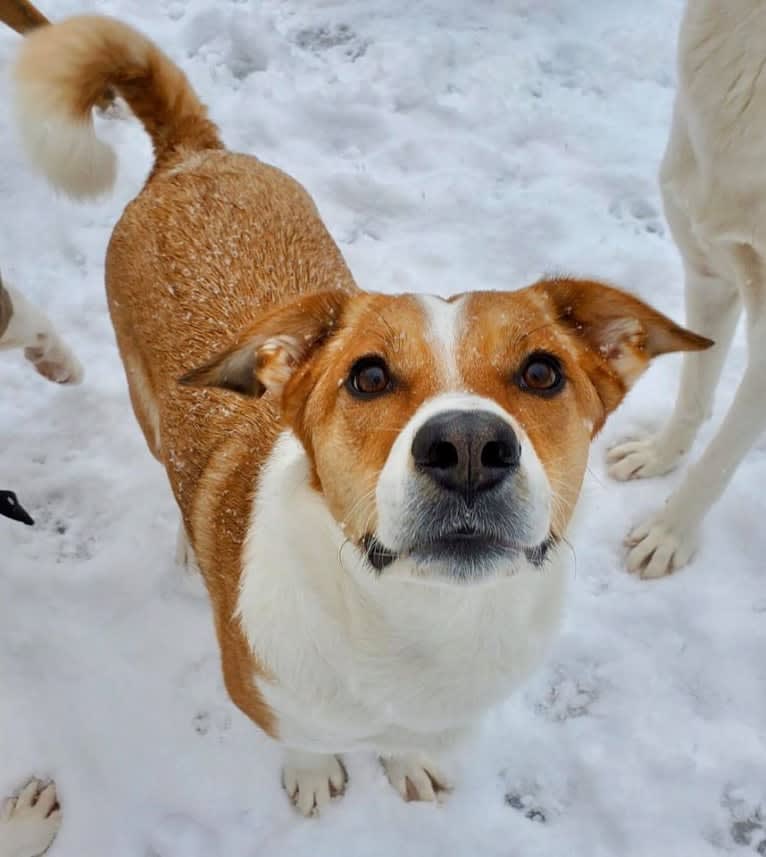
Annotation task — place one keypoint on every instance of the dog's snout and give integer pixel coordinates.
(466, 451)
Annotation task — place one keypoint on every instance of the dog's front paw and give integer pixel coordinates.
(641, 459)
(29, 822)
(660, 546)
(415, 777)
(55, 361)
(312, 780)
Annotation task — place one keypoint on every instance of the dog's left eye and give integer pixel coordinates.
(369, 377)
(541, 373)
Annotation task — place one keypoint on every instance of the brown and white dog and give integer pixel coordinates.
(374, 486)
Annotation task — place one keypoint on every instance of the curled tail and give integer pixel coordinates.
(64, 69)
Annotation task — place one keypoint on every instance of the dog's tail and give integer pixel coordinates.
(62, 71)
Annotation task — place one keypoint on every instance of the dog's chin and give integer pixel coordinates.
(458, 557)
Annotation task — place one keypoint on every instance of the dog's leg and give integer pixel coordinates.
(30, 822)
(667, 540)
(29, 328)
(312, 779)
(415, 776)
(712, 309)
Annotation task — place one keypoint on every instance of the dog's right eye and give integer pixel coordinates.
(369, 377)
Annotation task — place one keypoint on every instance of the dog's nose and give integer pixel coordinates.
(466, 451)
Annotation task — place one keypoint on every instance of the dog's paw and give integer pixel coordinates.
(55, 361)
(641, 459)
(415, 777)
(312, 780)
(659, 546)
(30, 822)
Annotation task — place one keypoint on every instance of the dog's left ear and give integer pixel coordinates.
(269, 352)
(620, 333)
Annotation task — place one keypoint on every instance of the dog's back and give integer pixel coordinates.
(714, 166)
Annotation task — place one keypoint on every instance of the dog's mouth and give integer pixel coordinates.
(463, 547)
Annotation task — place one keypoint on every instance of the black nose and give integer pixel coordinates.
(466, 451)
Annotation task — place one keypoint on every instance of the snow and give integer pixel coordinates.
(450, 146)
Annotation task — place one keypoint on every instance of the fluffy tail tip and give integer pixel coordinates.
(65, 149)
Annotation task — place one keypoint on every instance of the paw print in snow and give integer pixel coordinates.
(747, 826)
(635, 210)
(324, 38)
(569, 697)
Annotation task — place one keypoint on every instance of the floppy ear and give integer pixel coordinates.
(620, 333)
(268, 353)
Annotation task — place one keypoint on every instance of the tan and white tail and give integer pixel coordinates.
(64, 69)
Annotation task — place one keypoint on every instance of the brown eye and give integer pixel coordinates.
(541, 373)
(369, 378)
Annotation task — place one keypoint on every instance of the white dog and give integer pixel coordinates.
(714, 191)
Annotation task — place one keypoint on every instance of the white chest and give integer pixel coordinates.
(376, 662)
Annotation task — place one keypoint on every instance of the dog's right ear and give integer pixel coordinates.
(270, 351)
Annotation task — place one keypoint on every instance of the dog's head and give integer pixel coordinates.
(449, 438)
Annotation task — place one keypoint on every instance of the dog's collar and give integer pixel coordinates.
(11, 508)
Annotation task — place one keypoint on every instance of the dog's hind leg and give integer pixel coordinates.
(29, 328)
(667, 540)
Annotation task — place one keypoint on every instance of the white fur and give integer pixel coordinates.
(29, 328)
(444, 319)
(714, 189)
(29, 823)
(376, 662)
(399, 469)
(66, 150)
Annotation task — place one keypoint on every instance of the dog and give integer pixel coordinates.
(715, 203)
(375, 487)
(23, 325)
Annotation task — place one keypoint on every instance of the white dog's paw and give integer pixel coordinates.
(660, 546)
(415, 777)
(29, 822)
(55, 361)
(312, 780)
(640, 459)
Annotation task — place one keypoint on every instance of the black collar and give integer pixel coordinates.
(11, 508)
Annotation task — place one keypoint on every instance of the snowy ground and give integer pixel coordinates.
(451, 145)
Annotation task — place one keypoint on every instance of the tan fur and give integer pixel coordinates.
(223, 255)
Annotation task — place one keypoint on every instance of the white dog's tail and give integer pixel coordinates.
(62, 71)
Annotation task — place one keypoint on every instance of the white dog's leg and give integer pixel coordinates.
(667, 540)
(415, 776)
(712, 309)
(312, 779)
(29, 823)
(29, 328)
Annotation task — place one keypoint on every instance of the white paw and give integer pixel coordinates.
(640, 459)
(659, 546)
(55, 361)
(415, 777)
(29, 822)
(311, 780)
